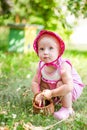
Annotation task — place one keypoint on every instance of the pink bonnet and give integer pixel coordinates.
(42, 32)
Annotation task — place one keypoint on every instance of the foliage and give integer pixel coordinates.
(22, 8)
(5, 7)
(47, 13)
(51, 13)
(45, 10)
(77, 7)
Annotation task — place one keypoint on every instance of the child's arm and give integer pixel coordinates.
(35, 90)
(35, 84)
(67, 83)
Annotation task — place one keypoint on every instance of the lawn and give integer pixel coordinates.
(16, 72)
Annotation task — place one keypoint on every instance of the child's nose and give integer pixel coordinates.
(46, 51)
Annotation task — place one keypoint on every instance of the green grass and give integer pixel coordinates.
(16, 72)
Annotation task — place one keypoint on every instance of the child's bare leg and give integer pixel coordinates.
(66, 109)
(67, 100)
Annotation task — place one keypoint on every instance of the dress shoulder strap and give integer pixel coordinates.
(65, 60)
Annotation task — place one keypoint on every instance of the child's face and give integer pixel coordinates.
(48, 49)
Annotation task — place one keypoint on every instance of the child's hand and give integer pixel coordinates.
(39, 99)
(47, 94)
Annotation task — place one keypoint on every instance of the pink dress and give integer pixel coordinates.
(53, 78)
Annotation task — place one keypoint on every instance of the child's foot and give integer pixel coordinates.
(63, 113)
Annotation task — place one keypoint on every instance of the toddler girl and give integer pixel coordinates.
(55, 76)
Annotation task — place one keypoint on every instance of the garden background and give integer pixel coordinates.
(18, 68)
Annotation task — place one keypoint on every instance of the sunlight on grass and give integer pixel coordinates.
(16, 72)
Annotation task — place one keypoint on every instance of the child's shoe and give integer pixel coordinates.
(63, 113)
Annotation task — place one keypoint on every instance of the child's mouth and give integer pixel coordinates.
(46, 57)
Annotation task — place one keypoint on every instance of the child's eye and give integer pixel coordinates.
(51, 48)
(41, 49)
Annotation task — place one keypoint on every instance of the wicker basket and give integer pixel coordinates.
(45, 110)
